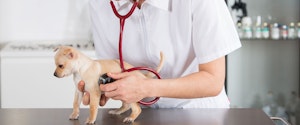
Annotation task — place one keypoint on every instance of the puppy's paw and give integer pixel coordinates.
(74, 116)
(90, 122)
(114, 112)
(128, 120)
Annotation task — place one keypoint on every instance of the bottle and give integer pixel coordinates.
(270, 104)
(298, 30)
(292, 107)
(257, 28)
(240, 30)
(272, 108)
(275, 31)
(292, 31)
(246, 22)
(284, 32)
(265, 31)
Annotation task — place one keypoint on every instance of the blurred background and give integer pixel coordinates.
(263, 74)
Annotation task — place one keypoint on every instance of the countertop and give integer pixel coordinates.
(147, 117)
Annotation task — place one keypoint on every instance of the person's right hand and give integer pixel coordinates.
(86, 95)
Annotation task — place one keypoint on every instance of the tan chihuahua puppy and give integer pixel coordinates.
(70, 61)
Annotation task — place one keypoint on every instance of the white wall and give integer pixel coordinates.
(44, 20)
(32, 20)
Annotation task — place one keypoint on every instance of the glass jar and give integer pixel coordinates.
(284, 32)
(275, 31)
(298, 30)
(265, 31)
(292, 31)
(240, 30)
(246, 22)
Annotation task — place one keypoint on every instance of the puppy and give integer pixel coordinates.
(70, 61)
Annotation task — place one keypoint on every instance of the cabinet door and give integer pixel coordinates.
(29, 83)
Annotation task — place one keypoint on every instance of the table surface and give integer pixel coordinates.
(147, 117)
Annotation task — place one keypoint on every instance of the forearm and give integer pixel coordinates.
(201, 84)
(209, 81)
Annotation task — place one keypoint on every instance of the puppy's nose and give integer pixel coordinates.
(55, 74)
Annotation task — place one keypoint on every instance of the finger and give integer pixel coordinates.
(111, 94)
(103, 100)
(86, 98)
(81, 86)
(118, 98)
(108, 87)
(117, 75)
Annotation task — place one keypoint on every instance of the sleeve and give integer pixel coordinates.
(213, 33)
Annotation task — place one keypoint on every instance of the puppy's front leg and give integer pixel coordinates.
(94, 102)
(76, 105)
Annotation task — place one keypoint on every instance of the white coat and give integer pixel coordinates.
(188, 32)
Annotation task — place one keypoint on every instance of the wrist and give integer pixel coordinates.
(148, 87)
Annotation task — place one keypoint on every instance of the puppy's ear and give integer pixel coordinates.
(56, 48)
(69, 53)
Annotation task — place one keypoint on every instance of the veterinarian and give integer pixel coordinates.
(194, 36)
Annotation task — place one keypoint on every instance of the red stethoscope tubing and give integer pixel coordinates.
(122, 23)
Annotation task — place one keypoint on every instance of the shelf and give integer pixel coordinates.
(270, 39)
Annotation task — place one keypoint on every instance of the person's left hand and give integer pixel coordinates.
(86, 95)
(128, 87)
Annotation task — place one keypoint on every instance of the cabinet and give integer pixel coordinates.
(261, 66)
(267, 71)
(27, 81)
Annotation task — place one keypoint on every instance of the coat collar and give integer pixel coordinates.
(161, 4)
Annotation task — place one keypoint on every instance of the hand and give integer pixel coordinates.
(86, 96)
(128, 87)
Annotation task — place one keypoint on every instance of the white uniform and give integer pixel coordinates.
(188, 32)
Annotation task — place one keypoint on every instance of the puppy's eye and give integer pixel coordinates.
(61, 66)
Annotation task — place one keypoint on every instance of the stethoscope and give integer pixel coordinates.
(122, 22)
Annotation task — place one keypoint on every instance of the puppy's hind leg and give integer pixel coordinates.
(136, 111)
(121, 110)
(76, 105)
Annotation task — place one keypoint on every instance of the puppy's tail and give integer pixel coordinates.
(159, 67)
